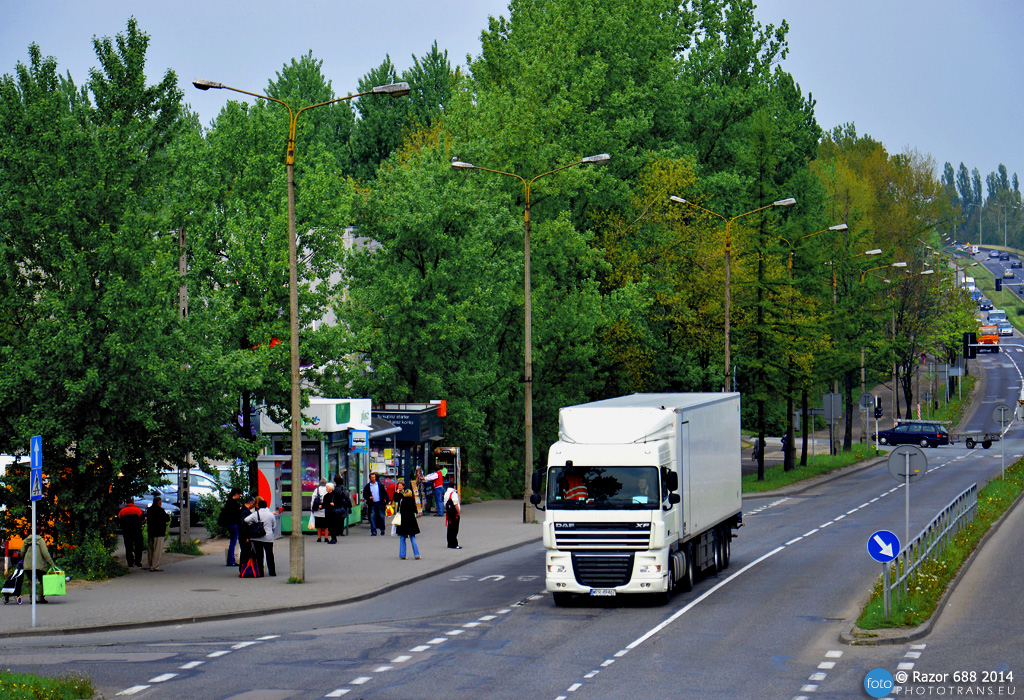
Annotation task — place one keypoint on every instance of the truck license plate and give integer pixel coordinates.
(602, 591)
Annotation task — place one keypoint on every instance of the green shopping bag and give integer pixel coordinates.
(54, 583)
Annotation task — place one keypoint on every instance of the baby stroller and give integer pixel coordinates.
(12, 586)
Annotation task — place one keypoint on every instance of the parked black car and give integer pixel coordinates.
(169, 495)
(922, 433)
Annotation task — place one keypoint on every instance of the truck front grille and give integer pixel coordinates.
(628, 536)
(602, 570)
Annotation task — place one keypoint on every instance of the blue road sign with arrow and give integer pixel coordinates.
(35, 478)
(883, 546)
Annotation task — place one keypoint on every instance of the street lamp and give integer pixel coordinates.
(598, 159)
(296, 543)
(728, 262)
(865, 272)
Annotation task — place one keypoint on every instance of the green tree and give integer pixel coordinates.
(89, 282)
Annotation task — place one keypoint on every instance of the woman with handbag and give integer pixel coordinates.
(407, 525)
(262, 525)
(37, 562)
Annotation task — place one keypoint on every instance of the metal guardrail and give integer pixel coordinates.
(929, 544)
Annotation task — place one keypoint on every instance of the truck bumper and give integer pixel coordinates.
(606, 573)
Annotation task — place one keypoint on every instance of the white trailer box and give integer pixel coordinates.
(642, 491)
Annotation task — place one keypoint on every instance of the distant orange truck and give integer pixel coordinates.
(988, 338)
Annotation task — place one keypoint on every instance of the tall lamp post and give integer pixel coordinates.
(296, 544)
(528, 322)
(728, 263)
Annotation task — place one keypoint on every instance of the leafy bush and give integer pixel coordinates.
(175, 546)
(92, 561)
(211, 507)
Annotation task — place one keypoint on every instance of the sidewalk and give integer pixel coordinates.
(193, 588)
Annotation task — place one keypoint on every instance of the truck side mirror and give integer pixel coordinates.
(535, 499)
(671, 480)
(536, 481)
(674, 498)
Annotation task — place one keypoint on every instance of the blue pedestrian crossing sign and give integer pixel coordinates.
(883, 546)
(35, 475)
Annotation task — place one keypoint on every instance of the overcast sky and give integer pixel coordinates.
(940, 76)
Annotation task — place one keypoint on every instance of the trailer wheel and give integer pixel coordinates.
(726, 547)
(987, 444)
(716, 552)
(970, 443)
(686, 581)
(562, 599)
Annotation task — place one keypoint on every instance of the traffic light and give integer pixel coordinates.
(970, 346)
(999, 284)
(878, 407)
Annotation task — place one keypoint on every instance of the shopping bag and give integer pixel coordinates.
(311, 523)
(54, 583)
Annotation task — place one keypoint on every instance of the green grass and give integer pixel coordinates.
(176, 546)
(777, 477)
(25, 686)
(930, 583)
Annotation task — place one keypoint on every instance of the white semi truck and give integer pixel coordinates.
(640, 493)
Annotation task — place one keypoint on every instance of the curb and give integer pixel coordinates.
(259, 613)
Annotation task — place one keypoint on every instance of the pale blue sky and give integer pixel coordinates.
(937, 75)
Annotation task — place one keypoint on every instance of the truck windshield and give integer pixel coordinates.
(603, 488)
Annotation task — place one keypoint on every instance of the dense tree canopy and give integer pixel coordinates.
(412, 272)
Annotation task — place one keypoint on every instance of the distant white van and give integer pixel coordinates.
(996, 315)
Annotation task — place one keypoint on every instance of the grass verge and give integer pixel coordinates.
(929, 585)
(777, 477)
(25, 686)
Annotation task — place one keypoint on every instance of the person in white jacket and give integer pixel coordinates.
(263, 545)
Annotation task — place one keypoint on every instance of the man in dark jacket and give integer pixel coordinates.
(375, 496)
(244, 540)
(156, 525)
(131, 518)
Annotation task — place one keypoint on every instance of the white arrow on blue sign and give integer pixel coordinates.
(36, 452)
(883, 546)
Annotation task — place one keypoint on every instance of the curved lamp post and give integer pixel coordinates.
(728, 263)
(527, 329)
(296, 543)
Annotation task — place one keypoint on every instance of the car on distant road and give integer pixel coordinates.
(993, 254)
(1005, 328)
(1004, 256)
(1007, 274)
(985, 304)
(921, 433)
(1016, 263)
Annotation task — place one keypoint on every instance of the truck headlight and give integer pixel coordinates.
(556, 568)
(650, 569)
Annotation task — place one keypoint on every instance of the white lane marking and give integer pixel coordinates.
(826, 524)
(912, 655)
(808, 534)
(162, 678)
(817, 677)
(794, 540)
(827, 665)
(609, 662)
(905, 666)
(840, 517)
(454, 632)
(192, 664)
(382, 669)
(217, 654)
(400, 659)
(689, 606)
(360, 680)
(591, 674)
(134, 689)
(421, 647)
(268, 637)
(486, 618)
(472, 624)
(833, 654)
(572, 688)
(337, 693)
(809, 688)
(504, 611)
(243, 645)
(622, 652)
(438, 640)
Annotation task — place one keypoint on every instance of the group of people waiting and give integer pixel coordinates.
(252, 526)
(131, 519)
(330, 508)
